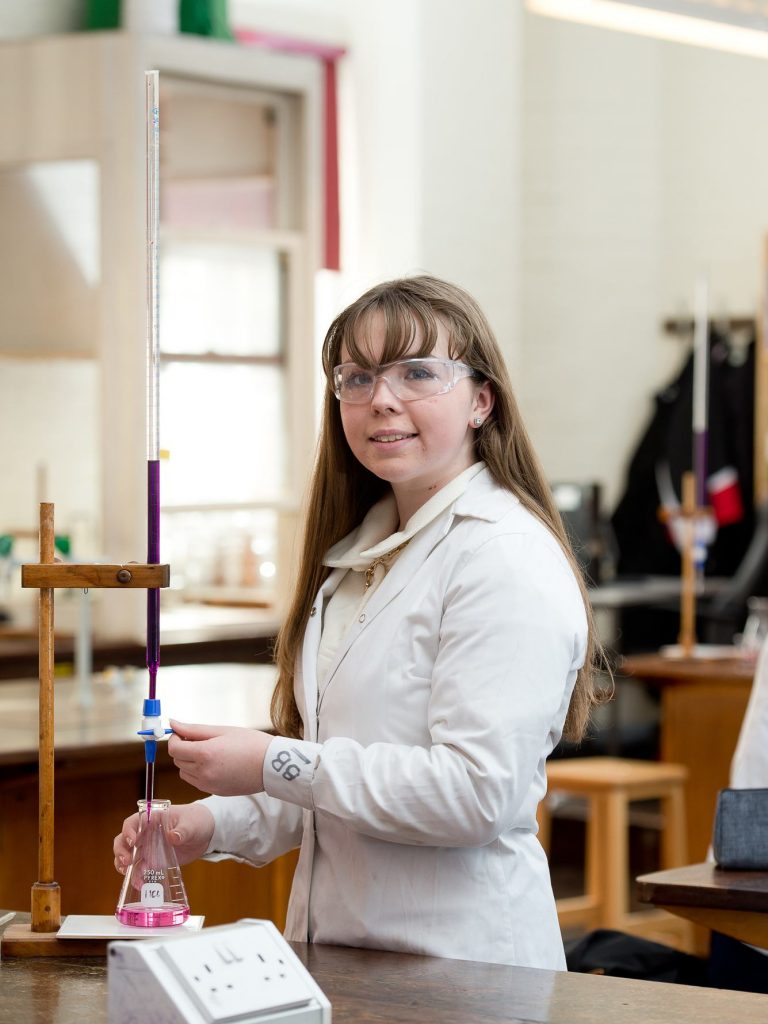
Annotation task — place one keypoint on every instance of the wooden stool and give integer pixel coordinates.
(609, 784)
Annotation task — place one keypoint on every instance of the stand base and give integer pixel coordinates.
(83, 935)
(20, 941)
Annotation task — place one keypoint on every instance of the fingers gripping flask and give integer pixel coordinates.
(153, 893)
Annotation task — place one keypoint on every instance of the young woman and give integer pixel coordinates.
(438, 645)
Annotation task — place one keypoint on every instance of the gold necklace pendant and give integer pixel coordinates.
(382, 560)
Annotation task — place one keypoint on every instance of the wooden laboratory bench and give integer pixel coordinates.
(702, 706)
(100, 776)
(732, 902)
(373, 987)
(190, 636)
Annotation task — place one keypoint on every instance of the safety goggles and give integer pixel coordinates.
(407, 379)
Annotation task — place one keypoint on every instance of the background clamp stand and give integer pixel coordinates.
(39, 938)
(695, 539)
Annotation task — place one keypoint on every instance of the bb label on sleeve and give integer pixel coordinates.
(289, 763)
(289, 768)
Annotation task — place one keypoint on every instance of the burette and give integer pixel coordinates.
(151, 726)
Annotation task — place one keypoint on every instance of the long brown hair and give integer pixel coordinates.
(342, 490)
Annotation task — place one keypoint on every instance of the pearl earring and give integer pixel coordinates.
(478, 421)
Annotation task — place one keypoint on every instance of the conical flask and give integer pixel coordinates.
(153, 893)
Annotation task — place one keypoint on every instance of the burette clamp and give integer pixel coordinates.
(152, 728)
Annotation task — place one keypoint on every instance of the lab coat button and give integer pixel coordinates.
(313, 612)
(362, 618)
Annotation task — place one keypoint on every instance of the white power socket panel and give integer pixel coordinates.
(234, 974)
(231, 975)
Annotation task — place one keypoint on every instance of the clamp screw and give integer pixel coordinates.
(124, 576)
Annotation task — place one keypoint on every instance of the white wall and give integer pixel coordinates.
(644, 165)
(471, 82)
(715, 173)
(592, 203)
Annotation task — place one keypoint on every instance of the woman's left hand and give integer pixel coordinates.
(219, 759)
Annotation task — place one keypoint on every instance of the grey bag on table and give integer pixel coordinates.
(740, 840)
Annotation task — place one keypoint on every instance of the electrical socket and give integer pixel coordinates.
(234, 973)
(229, 975)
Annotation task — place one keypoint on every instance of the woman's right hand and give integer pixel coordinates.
(189, 826)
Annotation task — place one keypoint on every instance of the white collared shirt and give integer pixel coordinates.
(376, 535)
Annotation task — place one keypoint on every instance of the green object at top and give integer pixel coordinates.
(6, 545)
(204, 18)
(62, 544)
(100, 14)
(198, 17)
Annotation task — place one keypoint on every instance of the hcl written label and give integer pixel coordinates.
(151, 894)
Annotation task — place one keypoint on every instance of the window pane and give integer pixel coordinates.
(236, 203)
(223, 427)
(220, 298)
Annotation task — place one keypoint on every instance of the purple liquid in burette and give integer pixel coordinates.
(153, 602)
(153, 558)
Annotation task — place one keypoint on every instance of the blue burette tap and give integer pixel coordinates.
(152, 728)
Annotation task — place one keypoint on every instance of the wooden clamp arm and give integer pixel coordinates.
(66, 574)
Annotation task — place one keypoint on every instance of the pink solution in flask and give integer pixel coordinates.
(153, 894)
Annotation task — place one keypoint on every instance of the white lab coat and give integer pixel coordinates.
(749, 767)
(413, 794)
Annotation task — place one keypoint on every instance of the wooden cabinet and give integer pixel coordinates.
(702, 708)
